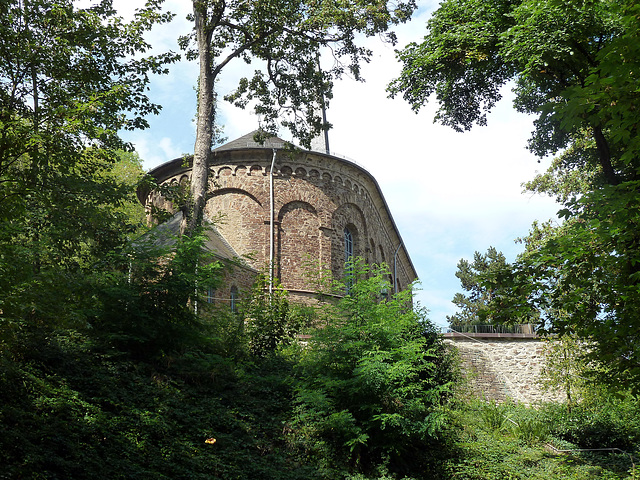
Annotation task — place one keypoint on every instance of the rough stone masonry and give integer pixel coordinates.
(503, 366)
(315, 199)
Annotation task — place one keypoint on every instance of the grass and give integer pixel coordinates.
(516, 447)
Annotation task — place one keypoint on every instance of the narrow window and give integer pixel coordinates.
(348, 258)
(234, 299)
(348, 245)
(211, 293)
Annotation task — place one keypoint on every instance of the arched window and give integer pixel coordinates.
(348, 244)
(348, 258)
(234, 299)
(211, 293)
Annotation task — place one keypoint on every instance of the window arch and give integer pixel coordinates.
(349, 244)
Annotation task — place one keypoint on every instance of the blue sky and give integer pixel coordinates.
(450, 193)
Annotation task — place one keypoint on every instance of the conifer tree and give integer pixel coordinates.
(474, 306)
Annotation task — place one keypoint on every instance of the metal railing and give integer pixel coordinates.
(527, 328)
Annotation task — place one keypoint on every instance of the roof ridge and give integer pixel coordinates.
(249, 141)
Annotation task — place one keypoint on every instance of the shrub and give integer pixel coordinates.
(372, 384)
(530, 430)
(493, 416)
(604, 422)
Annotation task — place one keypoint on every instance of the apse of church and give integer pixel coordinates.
(310, 206)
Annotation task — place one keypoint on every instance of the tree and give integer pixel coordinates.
(128, 172)
(575, 65)
(69, 82)
(286, 37)
(576, 278)
(148, 309)
(371, 382)
(270, 320)
(474, 307)
(564, 366)
(548, 48)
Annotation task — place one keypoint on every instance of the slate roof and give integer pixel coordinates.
(248, 141)
(166, 234)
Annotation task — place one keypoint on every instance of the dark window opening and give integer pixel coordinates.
(348, 258)
(234, 299)
(348, 245)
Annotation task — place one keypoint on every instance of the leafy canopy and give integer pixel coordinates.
(70, 80)
(284, 39)
(575, 66)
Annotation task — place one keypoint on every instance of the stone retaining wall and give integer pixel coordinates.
(498, 367)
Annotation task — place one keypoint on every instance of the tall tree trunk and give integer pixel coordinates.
(604, 155)
(204, 129)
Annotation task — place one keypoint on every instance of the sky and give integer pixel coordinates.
(450, 193)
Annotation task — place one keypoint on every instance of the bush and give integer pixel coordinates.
(530, 430)
(604, 422)
(493, 416)
(372, 385)
(524, 423)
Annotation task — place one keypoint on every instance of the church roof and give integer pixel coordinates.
(249, 141)
(166, 234)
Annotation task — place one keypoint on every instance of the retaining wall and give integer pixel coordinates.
(501, 366)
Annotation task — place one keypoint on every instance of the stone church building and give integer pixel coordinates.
(290, 206)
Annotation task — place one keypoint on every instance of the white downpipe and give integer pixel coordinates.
(195, 293)
(271, 224)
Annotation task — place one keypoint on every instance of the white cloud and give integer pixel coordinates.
(168, 148)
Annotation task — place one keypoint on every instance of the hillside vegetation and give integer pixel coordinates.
(141, 388)
(138, 386)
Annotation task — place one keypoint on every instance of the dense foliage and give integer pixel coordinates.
(372, 385)
(510, 441)
(574, 65)
(146, 388)
(112, 364)
(68, 83)
(271, 322)
(473, 307)
(77, 408)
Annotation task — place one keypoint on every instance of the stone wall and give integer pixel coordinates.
(500, 367)
(238, 277)
(316, 198)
